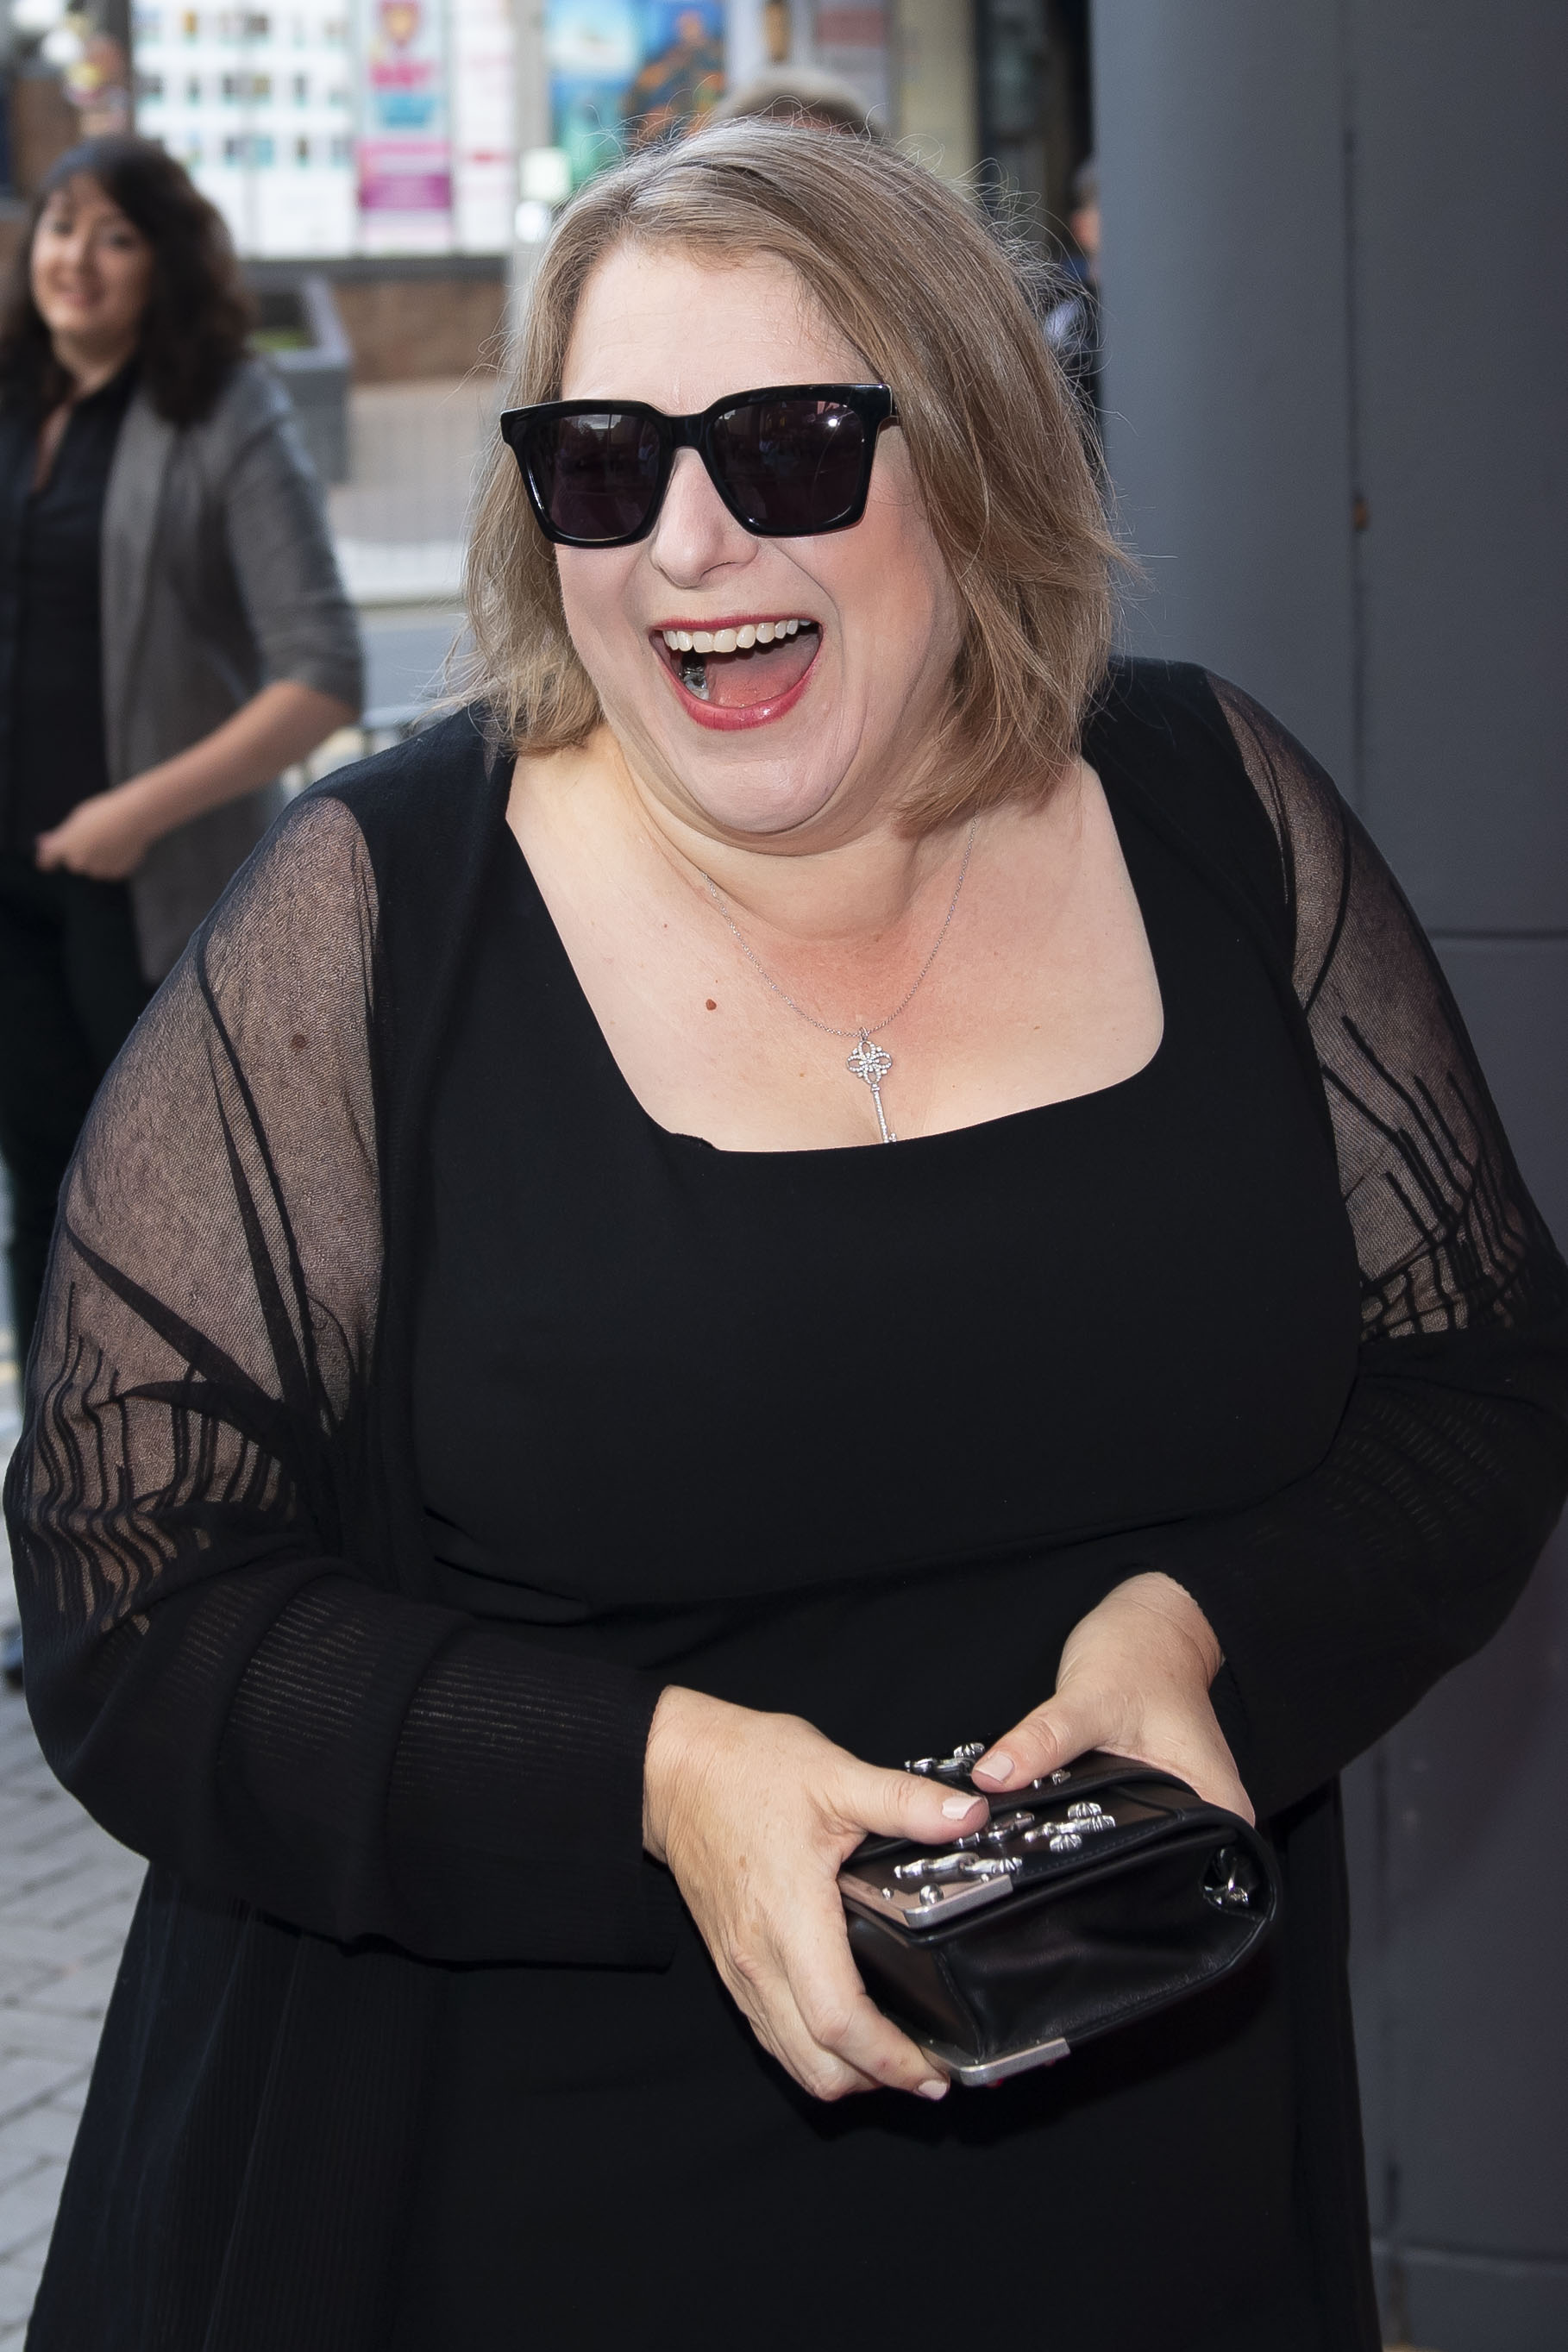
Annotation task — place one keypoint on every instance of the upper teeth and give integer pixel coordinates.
(726, 641)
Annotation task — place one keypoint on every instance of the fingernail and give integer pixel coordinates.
(954, 1809)
(935, 2089)
(995, 1768)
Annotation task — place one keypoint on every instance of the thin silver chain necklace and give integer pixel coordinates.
(869, 1062)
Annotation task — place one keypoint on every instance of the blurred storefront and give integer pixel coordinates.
(413, 150)
(346, 126)
(992, 91)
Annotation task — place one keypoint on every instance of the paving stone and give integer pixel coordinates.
(50, 2033)
(28, 2206)
(76, 1993)
(15, 2160)
(68, 1891)
(25, 2079)
(61, 1834)
(47, 2130)
(19, 2285)
(20, 1979)
(32, 1943)
(72, 1894)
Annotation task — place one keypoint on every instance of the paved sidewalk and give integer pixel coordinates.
(66, 1893)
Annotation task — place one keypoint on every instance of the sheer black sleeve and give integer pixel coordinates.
(215, 1665)
(1340, 1601)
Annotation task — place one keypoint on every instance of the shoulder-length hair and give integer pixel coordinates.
(938, 305)
(198, 311)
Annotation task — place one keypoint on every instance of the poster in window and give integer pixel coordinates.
(626, 72)
(404, 145)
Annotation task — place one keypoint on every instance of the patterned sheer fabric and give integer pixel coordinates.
(1339, 1602)
(217, 1662)
(1446, 1237)
(230, 1656)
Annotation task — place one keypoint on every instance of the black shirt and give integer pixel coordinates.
(52, 746)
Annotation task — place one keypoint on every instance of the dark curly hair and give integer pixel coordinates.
(198, 311)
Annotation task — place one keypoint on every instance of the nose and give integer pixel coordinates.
(696, 535)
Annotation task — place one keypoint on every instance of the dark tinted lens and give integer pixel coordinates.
(597, 473)
(791, 464)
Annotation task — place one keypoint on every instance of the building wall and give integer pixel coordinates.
(1335, 389)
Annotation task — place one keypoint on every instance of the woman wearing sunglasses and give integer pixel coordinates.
(824, 1171)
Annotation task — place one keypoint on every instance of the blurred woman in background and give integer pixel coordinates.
(172, 631)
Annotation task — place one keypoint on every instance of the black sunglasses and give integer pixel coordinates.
(788, 462)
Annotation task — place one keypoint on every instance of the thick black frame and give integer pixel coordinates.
(873, 403)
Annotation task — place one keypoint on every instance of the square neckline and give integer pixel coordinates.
(1002, 1121)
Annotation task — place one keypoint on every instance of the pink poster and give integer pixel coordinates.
(404, 146)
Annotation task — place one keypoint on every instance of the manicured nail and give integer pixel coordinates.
(995, 1768)
(954, 1809)
(935, 2089)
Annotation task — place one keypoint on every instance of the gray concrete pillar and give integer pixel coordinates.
(1337, 354)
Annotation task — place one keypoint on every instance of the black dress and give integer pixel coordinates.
(809, 1432)
(445, 1407)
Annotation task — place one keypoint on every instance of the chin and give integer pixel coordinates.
(756, 804)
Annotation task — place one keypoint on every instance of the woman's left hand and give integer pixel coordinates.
(105, 837)
(1135, 1678)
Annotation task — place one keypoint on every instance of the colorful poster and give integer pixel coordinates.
(623, 72)
(405, 144)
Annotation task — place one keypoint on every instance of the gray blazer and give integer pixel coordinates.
(218, 579)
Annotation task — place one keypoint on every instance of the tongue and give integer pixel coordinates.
(737, 680)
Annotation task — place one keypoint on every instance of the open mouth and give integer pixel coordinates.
(742, 667)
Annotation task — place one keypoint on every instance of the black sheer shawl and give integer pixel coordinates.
(229, 1656)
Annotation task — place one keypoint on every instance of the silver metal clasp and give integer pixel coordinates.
(997, 1831)
(926, 1866)
(1084, 1819)
(932, 1767)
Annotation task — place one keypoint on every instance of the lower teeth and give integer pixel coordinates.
(694, 674)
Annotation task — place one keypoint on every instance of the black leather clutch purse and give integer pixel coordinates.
(1091, 1899)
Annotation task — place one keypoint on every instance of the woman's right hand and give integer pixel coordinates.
(755, 1814)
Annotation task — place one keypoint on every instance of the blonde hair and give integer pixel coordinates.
(937, 305)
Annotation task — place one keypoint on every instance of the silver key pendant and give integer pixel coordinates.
(872, 1063)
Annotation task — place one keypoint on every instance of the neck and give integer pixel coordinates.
(849, 882)
(90, 365)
